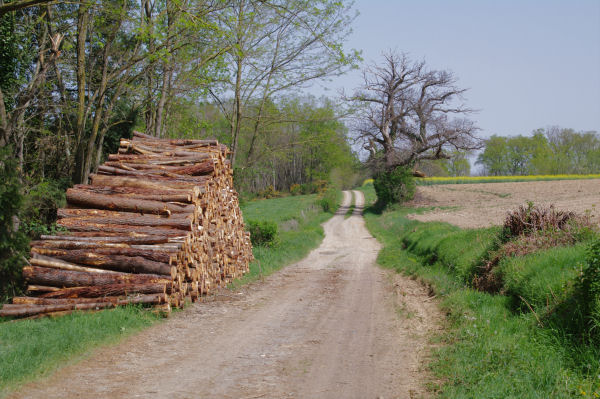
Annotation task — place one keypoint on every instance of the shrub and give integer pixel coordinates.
(269, 192)
(295, 189)
(590, 289)
(329, 200)
(262, 233)
(13, 242)
(395, 186)
(527, 220)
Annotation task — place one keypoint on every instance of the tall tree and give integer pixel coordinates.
(410, 113)
(277, 46)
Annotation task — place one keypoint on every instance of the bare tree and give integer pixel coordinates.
(409, 113)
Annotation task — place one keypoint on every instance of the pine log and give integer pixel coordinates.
(176, 142)
(144, 298)
(184, 196)
(60, 264)
(177, 228)
(103, 213)
(108, 290)
(157, 256)
(126, 219)
(150, 239)
(29, 310)
(122, 181)
(163, 160)
(168, 248)
(127, 264)
(122, 203)
(41, 288)
(67, 278)
(110, 170)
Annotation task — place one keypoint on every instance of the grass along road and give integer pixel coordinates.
(330, 326)
(31, 349)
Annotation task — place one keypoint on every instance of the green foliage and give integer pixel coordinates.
(301, 141)
(543, 278)
(262, 233)
(299, 225)
(395, 186)
(329, 200)
(41, 202)
(13, 242)
(33, 348)
(295, 189)
(123, 121)
(547, 152)
(490, 349)
(589, 290)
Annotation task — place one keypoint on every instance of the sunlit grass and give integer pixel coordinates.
(491, 348)
(33, 348)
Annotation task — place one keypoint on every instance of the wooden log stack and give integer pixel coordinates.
(159, 223)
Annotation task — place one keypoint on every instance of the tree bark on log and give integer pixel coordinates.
(139, 298)
(157, 184)
(183, 196)
(29, 310)
(168, 248)
(121, 203)
(140, 226)
(156, 256)
(103, 213)
(125, 264)
(109, 290)
(150, 239)
(67, 278)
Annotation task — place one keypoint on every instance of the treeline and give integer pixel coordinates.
(77, 76)
(548, 151)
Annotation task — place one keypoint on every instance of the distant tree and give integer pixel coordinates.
(548, 151)
(411, 113)
(458, 164)
(276, 47)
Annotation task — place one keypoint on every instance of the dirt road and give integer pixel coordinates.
(331, 326)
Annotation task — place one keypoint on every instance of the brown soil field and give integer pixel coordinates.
(485, 204)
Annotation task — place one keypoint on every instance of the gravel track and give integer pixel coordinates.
(333, 325)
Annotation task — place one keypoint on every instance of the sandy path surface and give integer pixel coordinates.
(485, 204)
(331, 326)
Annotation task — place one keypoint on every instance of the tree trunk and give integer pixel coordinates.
(125, 264)
(67, 278)
(82, 27)
(122, 203)
(108, 290)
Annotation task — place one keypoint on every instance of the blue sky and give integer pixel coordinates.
(528, 64)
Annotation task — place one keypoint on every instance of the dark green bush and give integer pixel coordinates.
(329, 200)
(13, 242)
(40, 205)
(262, 233)
(395, 186)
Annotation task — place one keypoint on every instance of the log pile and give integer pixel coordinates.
(159, 223)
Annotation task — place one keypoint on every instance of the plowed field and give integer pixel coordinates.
(485, 204)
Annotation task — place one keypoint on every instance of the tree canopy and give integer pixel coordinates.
(409, 113)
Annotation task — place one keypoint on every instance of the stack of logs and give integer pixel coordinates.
(159, 223)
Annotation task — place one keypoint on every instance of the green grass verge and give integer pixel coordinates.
(490, 348)
(32, 348)
(299, 221)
